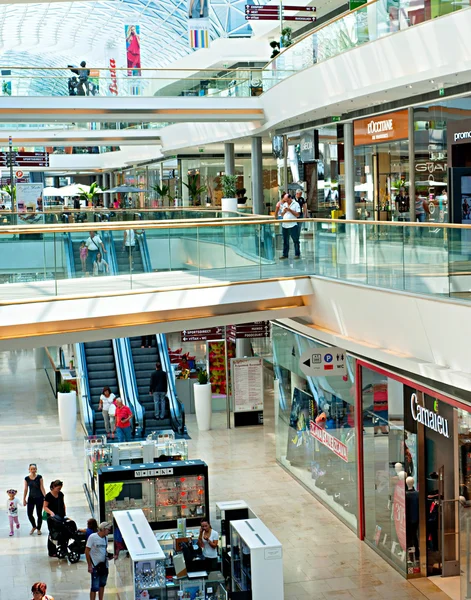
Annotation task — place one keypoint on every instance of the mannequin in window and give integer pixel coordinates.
(402, 201)
(412, 516)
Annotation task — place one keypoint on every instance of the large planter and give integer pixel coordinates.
(203, 405)
(229, 204)
(67, 405)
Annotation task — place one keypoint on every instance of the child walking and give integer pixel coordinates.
(12, 509)
(83, 256)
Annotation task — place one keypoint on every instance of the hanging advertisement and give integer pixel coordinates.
(113, 87)
(29, 196)
(198, 23)
(133, 49)
(217, 365)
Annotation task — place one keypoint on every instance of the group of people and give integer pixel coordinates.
(92, 251)
(289, 210)
(117, 416)
(52, 505)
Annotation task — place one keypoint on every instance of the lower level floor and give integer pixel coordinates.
(323, 558)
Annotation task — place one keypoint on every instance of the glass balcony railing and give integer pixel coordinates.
(44, 261)
(95, 216)
(367, 23)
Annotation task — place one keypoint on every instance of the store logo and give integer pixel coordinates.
(153, 472)
(427, 417)
(430, 167)
(462, 135)
(380, 126)
(307, 145)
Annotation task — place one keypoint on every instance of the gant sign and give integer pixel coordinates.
(427, 417)
(392, 126)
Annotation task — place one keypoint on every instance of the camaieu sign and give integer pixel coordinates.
(383, 128)
(428, 418)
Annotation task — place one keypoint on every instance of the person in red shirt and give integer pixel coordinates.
(123, 421)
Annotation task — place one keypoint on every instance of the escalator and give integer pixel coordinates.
(123, 263)
(144, 360)
(101, 370)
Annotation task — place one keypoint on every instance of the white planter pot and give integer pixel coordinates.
(229, 204)
(203, 405)
(67, 405)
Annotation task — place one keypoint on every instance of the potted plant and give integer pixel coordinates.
(163, 192)
(203, 401)
(194, 190)
(67, 405)
(229, 186)
(91, 196)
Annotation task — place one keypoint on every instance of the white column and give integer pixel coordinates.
(349, 157)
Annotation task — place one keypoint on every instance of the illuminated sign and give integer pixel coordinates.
(427, 417)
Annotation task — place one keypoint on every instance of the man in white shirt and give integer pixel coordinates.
(93, 244)
(290, 211)
(97, 560)
(208, 541)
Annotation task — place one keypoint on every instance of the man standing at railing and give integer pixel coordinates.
(290, 211)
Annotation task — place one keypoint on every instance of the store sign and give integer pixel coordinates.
(427, 417)
(309, 146)
(392, 126)
(430, 167)
(153, 472)
(329, 441)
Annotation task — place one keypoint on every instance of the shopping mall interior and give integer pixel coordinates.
(263, 390)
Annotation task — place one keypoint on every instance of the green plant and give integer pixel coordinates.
(229, 185)
(11, 190)
(91, 195)
(64, 387)
(194, 189)
(202, 377)
(163, 192)
(286, 39)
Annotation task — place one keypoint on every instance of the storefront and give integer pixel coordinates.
(404, 485)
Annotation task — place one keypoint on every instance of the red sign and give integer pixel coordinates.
(113, 87)
(200, 338)
(261, 18)
(305, 8)
(329, 441)
(202, 335)
(19, 174)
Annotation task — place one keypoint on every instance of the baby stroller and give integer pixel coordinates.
(69, 541)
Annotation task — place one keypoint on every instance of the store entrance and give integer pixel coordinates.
(441, 486)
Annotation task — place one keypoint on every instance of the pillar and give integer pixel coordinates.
(112, 181)
(257, 176)
(39, 358)
(229, 158)
(411, 166)
(243, 348)
(349, 157)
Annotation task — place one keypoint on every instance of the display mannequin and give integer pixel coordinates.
(412, 515)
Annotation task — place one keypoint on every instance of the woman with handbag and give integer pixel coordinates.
(35, 486)
(54, 505)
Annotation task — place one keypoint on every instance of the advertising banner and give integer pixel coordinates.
(198, 23)
(113, 87)
(247, 380)
(133, 49)
(29, 196)
(331, 442)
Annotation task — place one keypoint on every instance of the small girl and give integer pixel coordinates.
(83, 256)
(12, 509)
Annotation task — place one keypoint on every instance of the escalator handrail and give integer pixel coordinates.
(177, 414)
(69, 255)
(85, 398)
(127, 379)
(145, 254)
(110, 246)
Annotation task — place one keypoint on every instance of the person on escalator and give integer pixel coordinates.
(158, 389)
(123, 421)
(100, 266)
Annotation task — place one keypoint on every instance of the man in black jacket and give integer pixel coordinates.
(158, 389)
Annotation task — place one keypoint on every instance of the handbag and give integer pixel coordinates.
(45, 515)
(101, 568)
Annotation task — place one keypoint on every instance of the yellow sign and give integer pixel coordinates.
(113, 490)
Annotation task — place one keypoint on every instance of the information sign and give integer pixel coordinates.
(325, 362)
(202, 335)
(247, 387)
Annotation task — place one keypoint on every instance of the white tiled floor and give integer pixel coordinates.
(323, 558)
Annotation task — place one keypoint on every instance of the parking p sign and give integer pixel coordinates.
(318, 362)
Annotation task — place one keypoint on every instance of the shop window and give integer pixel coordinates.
(315, 428)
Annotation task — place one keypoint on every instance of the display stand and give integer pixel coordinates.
(256, 562)
(139, 559)
(165, 491)
(247, 391)
(100, 453)
(226, 512)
